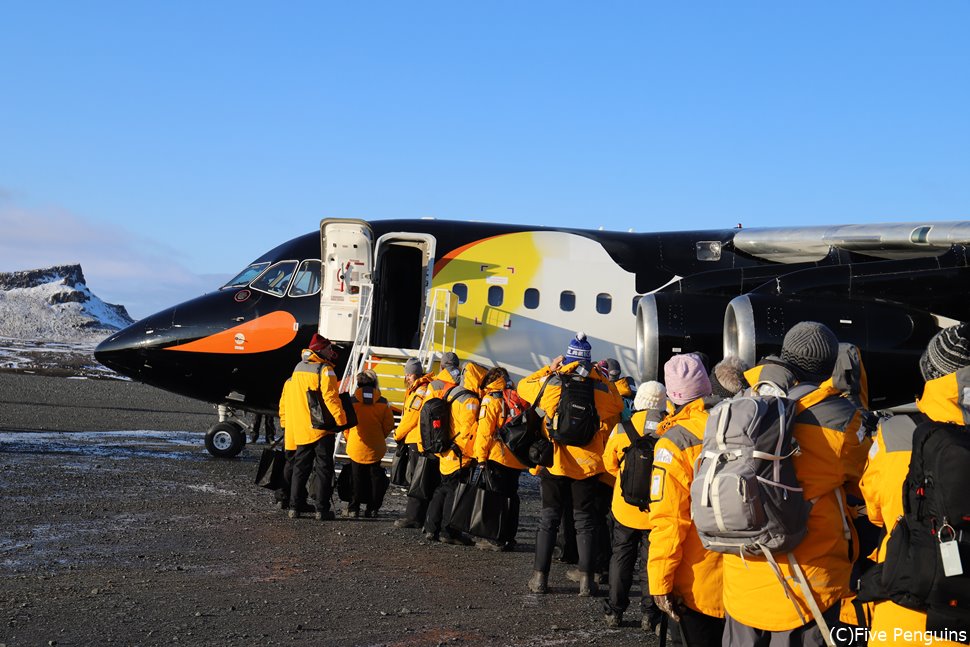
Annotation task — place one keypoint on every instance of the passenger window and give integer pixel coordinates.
(496, 295)
(567, 300)
(604, 303)
(307, 280)
(531, 299)
(636, 302)
(275, 279)
(461, 291)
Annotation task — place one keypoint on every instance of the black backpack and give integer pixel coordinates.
(576, 420)
(636, 466)
(935, 523)
(521, 433)
(435, 423)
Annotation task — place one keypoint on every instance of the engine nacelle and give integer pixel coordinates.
(672, 323)
(890, 337)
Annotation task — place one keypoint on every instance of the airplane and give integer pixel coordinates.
(514, 295)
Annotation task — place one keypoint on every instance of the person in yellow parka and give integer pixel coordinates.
(631, 525)
(367, 444)
(684, 578)
(409, 432)
(946, 368)
(491, 453)
(313, 448)
(456, 463)
(828, 429)
(574, 470)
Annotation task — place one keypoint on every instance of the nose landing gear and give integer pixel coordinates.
(226, 438)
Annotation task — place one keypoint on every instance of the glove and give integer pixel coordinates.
(669, 605)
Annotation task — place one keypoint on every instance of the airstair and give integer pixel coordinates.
(439, 334)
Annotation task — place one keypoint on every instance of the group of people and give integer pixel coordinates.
(850, 468)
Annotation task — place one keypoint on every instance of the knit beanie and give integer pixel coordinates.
(449, 361)
(812, 349)
(322, 347)
(947, 352)
(413, 367)
(650, 397)
(579, 349)
(686, 379)
(727, 377)
(613, 369)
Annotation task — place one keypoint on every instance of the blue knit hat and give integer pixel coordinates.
(579, 349)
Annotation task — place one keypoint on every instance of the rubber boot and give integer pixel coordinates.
(587, 582)
(539, 582)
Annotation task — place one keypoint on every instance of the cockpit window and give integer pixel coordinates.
(243, 278)
(307, 280)
(275, 279)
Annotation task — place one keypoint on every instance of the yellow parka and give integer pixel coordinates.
(882, 487)
(464, 416)
(367, 442)
(678, 563)
(827, 428)
(491, 416)
(408, 430)
(629, 515)
(311, 374)
(574, 462)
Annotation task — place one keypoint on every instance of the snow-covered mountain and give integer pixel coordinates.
(55, 304)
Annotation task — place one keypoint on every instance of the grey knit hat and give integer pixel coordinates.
(413, 367)
(811, 348)
(449, 360)
(947, 352)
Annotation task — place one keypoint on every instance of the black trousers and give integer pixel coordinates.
(603, 546)
(506, 481)
(283, 494)
(368, 485)
(628, 544)
(699, 630)
(555, 491)
(443, 500)
(317, 457)
(416, 509)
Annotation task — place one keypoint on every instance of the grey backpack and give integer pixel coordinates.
(745, 497)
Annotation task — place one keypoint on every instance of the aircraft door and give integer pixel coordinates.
(402, 280)
(347, 262)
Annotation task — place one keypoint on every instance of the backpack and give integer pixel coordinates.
(520, 432)
(927, 564)
(435, 422)
(576, 420)
(636, 466)
(745, 496)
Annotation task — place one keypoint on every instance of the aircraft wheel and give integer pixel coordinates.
(225, 439)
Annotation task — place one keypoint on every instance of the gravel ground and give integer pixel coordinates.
(118, 528)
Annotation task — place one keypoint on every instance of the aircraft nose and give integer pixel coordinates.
(127, 351)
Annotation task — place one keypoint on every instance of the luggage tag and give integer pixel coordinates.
(950, 552)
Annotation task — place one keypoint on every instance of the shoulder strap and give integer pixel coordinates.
(631, 431)
(535, 405)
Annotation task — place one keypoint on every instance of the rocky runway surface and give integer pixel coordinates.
(118, 528)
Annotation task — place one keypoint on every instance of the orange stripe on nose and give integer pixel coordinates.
(269, 332)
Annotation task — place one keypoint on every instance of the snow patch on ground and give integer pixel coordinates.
(111, 445)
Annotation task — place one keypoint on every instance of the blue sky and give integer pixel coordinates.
(165, 145)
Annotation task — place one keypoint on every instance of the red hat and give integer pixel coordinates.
(322, 346)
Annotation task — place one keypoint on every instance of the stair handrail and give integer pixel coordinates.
(355, 361)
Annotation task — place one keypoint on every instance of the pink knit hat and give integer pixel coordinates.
(686, 379)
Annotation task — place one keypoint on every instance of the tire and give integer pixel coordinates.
(225, 440)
